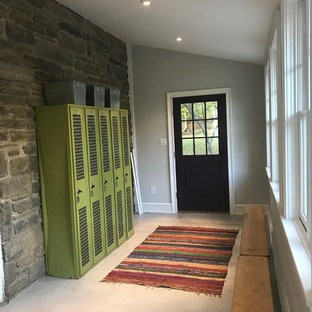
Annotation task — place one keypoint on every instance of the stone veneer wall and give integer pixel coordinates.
(40, 40)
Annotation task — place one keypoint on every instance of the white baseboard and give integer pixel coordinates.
(240, 209)
(157, 207)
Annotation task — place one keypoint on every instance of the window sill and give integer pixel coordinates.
(301, 257)
(298, 246)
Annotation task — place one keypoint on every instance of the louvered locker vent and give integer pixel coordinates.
(104, 132)
(129, 208)
(116, 142)
(97, 229)
(125, 141)
(120, 215)
(84, 241)
(109, 221)
(92, 145)
(78, 146)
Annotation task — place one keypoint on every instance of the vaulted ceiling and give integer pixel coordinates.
(230, 29)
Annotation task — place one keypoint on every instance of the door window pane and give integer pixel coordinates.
(211, 110)
(187, 129)
(213, 146)
(186, 111)
(212, 128)
(199, 110)
(187, 147)
(199, 128)
(200, 146)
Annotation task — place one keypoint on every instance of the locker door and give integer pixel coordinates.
(108, 179)
(81, 189)
(95, 184)
(118, 177)
(127, 172)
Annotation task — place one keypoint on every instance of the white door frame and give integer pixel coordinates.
(172, 165)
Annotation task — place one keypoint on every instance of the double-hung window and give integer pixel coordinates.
(301, 98)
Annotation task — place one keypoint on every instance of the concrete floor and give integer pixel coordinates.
(87, 294)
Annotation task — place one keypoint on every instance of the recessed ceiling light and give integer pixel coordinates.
(146, 3)
(179, 39)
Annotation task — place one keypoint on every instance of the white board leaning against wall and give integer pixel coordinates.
(1, 274)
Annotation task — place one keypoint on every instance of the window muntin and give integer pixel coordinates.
(200, 128)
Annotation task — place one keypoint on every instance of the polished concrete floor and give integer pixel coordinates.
(88, 294)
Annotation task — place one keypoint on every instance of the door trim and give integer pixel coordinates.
(171, 149)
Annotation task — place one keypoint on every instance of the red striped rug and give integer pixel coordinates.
(186, 258)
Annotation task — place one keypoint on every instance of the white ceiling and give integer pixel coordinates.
(230, 29)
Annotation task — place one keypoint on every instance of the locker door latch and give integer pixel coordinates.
(92, 187)
(78, 197)
(105, 188)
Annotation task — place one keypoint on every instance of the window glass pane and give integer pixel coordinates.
(200, 146)
(199, 110)
(213, 146)
(199, 128)
(186, 111)
(187, 129)
(212, 128)
(211, 110)
(187, 147)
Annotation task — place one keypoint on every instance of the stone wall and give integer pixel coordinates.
(40, 40)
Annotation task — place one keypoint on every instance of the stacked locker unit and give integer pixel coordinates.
(127, 172)
(108, 179)
(95, 184)
(118, 176)
(84, 186)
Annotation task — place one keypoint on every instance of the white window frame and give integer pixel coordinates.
(268, 120)
(273, 74)
(298, 148)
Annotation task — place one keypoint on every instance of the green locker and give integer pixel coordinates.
(80, 187)
(64, 189)
(118, 176)
(85, 173)
(108, 178)
(95, 184)
(127, 173)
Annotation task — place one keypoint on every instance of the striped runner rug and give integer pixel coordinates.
(186, 258)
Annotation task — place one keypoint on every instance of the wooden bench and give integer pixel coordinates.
(252, 287)
(254, 238)
(252, 291)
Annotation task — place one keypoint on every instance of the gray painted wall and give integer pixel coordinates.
(158, 71)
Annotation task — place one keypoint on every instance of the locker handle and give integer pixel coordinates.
(105, 181)
(116, 178)
(79, 191)
(92, 186)
(126, 174)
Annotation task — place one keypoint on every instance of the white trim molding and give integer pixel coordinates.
(172, 166)
(157, 208)
(1, 274)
